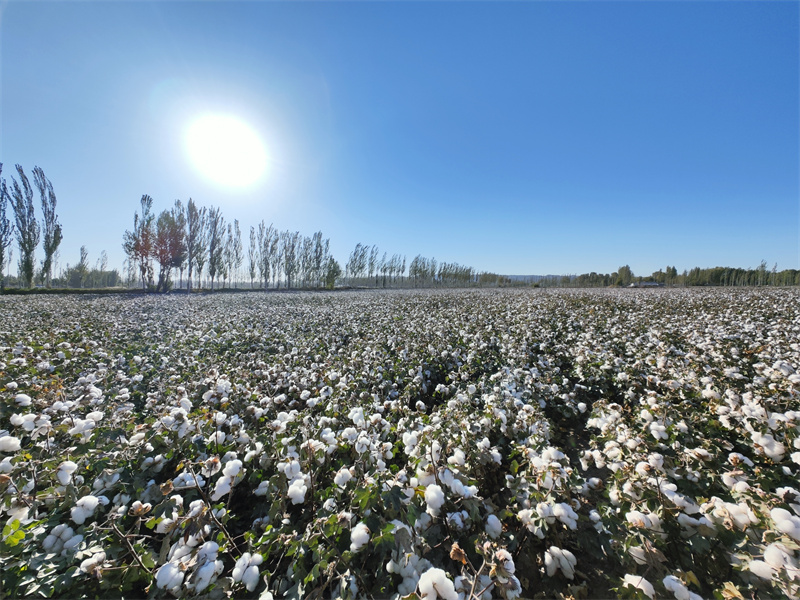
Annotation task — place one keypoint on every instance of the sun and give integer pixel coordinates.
(226, 150)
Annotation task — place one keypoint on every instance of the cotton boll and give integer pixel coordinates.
(678, 589)
(88, 565)
(786, 522)
(84, 508)
(9, 443)
(250, 578)
(639, 583)
(434, 497)
(434, 584)
(232, 468)
(169, 577)
(222, 488)
(22, 399)
(342, 477)
(359, 537)
(297, 491)
(761, 569)
(494, 527)
(65, 471)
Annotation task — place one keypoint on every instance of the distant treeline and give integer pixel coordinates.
(197, 242)
(716, 276)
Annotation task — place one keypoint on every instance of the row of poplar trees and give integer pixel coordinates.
(195, 239)
(26, 227)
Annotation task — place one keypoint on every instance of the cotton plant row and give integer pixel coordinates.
(493, 444)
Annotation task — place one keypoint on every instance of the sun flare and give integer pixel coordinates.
(226, 150)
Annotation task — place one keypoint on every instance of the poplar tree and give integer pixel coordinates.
(27, 226)
(6, 229)
(50, 225)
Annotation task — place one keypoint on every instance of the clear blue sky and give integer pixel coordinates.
(519, 137)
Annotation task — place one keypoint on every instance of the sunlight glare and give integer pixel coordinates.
(226, 150)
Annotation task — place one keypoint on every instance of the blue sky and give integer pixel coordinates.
(515, 137)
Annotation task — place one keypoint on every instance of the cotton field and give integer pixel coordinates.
(432, 444)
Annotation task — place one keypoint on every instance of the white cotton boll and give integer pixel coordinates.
(232, 468)
(459, 457)
(218, 437)
(72, 542)
(90, 563)
(262, 489)
(22, 399)
(786, 522)
(359, 537)
(169, 577)
(5, 465)
(564, 513)
(9, 443)
(250, 578)
(505, 560)
(494, 527)
(342, 477)
(329, 505)
(640, 583)
(84, 508)
(297, 491)
(222, 488)
(434, 497)
(678, 589)
(434, 584)
(761, 569)
(65, 471)
(202, 576)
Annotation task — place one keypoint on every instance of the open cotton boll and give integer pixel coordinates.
(84, 508)
(65, 471)
(786, 522)
(88, 565)
(359, 537)
(169, 577)
(250, 578)
(556, 558)
(769, 445)
(434, 584)
(22, 399)
(9, 443)
(678, 589)
(297, 490)
(761, 569)
(639, 583)
(494, 527)
(434, 497)
(232, 468)
(458, 457)
(342, 477)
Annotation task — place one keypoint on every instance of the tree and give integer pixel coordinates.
(253, 255)
(51, 226)
(6, 230)
(138, 244)
(27, 226)
(289, 251)
(624, 276)
(268, 250)
(178, 245)
(332, 272)
(82, 268)
(195, 240)
(164, 248)
(237, 255)
(216, 243)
